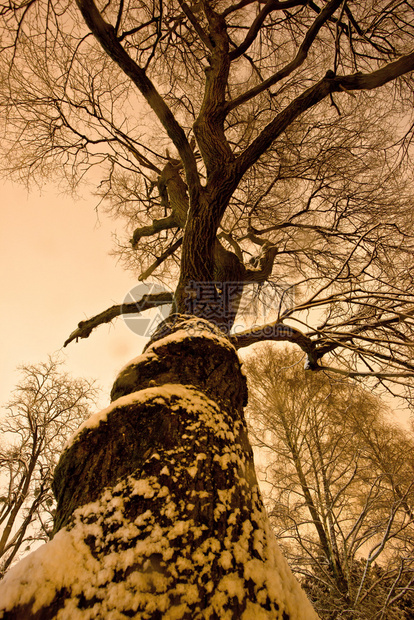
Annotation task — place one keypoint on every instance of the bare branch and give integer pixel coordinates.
(271, 5)
(277, 332)
(197, 26)
(148, 301)
(374, 374)
(315, 94)
(105, 34)
(156, 226)
(300, 57)
(168, 252)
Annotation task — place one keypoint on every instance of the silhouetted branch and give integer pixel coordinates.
(168, 252)
(146, 303)
(277, 331)
(156, 226)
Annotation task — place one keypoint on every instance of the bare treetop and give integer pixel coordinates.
(248, 142)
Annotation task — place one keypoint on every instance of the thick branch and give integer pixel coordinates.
(271, 5)
(369, 81)
(306, 100)
(315, 94)
(209, 125)
(197, 26)
(156, 226)
(277, 332)
(281, 332)
(291, 66)
(146, 303)
(227, 236)
(173, 191)
(265, 265)
(106, 36)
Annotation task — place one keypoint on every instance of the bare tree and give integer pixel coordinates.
(255, 148)
(47, 407)
(339, 486)
(283, 97)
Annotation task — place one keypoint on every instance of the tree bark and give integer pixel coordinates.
(159, 513)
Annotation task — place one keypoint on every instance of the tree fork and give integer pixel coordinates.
(159, 513)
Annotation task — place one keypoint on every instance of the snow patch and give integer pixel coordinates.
(189, 398)
(144, 358)
(193, 329)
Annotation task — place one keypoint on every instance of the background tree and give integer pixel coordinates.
(339, 487)
(245, 143)
(47, 407)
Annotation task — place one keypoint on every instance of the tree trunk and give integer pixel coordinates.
(159, 513)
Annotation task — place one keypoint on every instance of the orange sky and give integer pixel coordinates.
(55, 270)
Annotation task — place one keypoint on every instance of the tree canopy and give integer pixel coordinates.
(257, 144)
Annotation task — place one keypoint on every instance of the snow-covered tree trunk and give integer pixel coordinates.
(159, 513)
